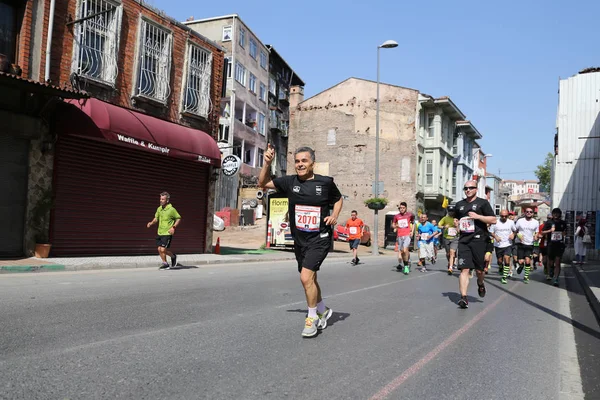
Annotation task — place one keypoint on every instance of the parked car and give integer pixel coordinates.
(340, 233)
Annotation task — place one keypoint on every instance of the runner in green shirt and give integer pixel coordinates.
(449, 225)
(168, 219)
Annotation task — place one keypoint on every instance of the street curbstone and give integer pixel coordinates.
(31, 268)
(587, 285)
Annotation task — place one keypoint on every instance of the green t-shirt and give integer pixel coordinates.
(166, 218)
(448, 223)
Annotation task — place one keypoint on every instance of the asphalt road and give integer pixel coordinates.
(233, 332)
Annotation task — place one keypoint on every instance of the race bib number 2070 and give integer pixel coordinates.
(308, 218)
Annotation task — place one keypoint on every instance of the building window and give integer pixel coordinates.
(223, 133)
(283, 162)
(261, 124)
(263, 92)
(9, 30)
(429, 172)
(497, 207)
(430, 125)
(227, 32)
(252, 50)
(237, 149)
(197, 86)
(155, 62)
(227, 67)
(248, 156)
(263, 59)
(454, 184)
(242, 37)
(240, 73)
(97, 40)
(252, 83)
(273, 86)
(261, 158)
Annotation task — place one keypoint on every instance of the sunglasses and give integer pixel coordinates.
(528, 212)
(469, 187)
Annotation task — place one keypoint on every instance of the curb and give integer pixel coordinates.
(587, 284)
(32, 268)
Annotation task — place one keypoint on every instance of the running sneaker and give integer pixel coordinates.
(555, 283)
(324, 317)
(406, 270)
(399, 267)
(174, 260)
(357, 260)
(310, 327)
(463, 302)
(548, 278)
(423, 269)
(525, 280)
(353, 262)
(503, 280)
(164, 266)
(449, 270)
(510, 274)
(534, 267)
(520, 269)
(481, 290)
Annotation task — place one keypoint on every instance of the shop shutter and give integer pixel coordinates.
(106, 194)
(14, 157)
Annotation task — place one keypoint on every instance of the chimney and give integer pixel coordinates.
(296, 96)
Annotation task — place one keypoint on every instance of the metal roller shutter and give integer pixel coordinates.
(106, 194)
(14, 156)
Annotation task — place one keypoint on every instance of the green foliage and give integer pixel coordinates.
(544, 173)
(376, 200)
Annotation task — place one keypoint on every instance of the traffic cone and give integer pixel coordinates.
(218, 246)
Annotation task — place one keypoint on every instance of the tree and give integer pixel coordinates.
(544, 173)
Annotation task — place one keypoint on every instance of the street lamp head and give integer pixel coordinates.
(389, 44)
(488, 155)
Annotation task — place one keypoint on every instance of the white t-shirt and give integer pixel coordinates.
(503, 231)
(527, 229)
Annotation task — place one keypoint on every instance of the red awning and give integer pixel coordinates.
(100, 120)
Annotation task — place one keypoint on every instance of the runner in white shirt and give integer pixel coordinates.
(504, 233)
(527, 229)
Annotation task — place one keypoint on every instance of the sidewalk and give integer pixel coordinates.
(589, 277)
(233, 253)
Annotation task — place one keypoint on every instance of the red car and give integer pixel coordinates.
(341, 233)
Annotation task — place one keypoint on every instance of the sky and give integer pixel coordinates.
(500, 62)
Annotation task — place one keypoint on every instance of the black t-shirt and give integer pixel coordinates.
(473, 229)
(560, 229)
(309, 202)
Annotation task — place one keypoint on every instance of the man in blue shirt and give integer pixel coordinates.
(426, 234)
(436, 240)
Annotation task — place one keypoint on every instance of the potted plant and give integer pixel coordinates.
(376, 203)
(40, 218)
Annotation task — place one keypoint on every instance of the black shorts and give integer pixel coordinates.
(536, 250)
(503, 251)
(489, 247)
(525, 250)
(312, 255)
(556, 250)
(471, 255)
(164, 241)
(513, 249)
(544, 251)
(353, 243)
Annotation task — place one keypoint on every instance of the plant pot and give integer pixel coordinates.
(376, 206)
(42, 250)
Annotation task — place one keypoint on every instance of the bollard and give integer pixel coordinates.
(218, 246)
(269, 234)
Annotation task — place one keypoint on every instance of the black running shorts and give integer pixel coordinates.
(164, 241)
(503, 251)
(555, 250)
(311, 256)
(471, 255)
(524, 250)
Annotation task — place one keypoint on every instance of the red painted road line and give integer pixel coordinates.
(395, 384)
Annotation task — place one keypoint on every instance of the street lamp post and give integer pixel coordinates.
(388, 44)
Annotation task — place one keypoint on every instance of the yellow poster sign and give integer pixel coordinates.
(280, 222)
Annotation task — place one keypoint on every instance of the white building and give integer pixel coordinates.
(575, 185)
(517, 187)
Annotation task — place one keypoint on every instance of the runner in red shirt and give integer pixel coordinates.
(355, 228)
(403, 224)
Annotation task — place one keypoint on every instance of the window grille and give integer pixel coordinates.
(197, 88)
(97, 40)
(155, 62)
